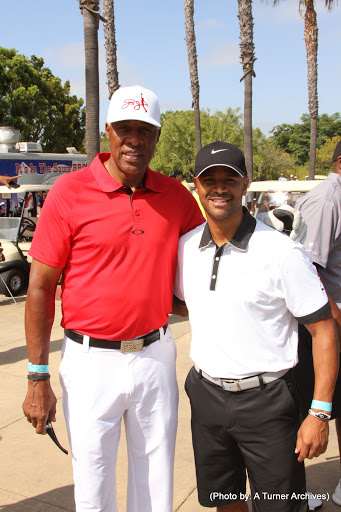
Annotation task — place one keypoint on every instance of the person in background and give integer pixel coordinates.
(321, 209)
(5, 180)
(178, 175)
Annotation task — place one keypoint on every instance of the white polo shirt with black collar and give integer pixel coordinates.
(245, 298)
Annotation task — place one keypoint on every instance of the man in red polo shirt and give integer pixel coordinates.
(112, 228)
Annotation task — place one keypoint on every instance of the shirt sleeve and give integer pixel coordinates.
(319, 217)
(191, 216)
(303, 290)
(179, 283)
(52, 238)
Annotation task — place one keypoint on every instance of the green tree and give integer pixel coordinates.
(176, 147)
(90, 11)
(294, 138)
(247, 55)
(36, 102)
(270, 162)
(324, 155)
(104, 143)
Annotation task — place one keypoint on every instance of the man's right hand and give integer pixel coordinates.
(39, 404)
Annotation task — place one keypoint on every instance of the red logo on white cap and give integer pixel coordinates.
(135, 104)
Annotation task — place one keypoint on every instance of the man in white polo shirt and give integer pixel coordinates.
(246, 288)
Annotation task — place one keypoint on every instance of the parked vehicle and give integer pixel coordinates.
(16, 235)
(271, 194)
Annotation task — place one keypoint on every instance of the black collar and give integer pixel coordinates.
(241, 237)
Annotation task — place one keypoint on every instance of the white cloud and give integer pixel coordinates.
(221, 55)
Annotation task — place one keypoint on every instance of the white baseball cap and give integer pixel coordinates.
(134, 103)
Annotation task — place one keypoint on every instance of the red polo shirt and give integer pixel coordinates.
(118, 250)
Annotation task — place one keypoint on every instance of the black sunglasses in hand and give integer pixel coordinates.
(51, 433)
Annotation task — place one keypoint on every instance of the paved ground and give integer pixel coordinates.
(36, 477)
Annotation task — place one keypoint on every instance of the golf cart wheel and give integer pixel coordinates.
(15, 282)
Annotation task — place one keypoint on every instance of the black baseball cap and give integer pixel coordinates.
(337, 151)
(223, 154)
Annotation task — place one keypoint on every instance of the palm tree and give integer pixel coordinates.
(311, 44)
(193, 66)
(90, 11)
(110, 45)
(247, 55)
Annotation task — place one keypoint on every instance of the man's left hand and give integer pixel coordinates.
(312, 438)
(286, 218)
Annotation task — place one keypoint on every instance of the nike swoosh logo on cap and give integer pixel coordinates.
(214, 151)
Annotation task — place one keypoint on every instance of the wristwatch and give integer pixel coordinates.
(320, 415)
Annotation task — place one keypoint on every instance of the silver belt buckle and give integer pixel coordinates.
(229, 385)
(132, 346)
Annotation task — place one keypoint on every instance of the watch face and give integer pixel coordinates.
(322, 416)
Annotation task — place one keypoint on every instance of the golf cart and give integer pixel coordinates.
(16, 233)
(272, 194)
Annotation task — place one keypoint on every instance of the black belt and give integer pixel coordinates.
(124, 345)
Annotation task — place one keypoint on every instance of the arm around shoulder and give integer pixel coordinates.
(179, 307)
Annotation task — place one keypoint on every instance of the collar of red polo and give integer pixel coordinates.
(108, 184)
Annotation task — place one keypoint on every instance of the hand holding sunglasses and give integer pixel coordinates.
(50, 431)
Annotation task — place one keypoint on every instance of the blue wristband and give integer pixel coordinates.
(321, 406)
(38, 368)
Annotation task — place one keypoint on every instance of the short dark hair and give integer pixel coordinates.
(176, 173)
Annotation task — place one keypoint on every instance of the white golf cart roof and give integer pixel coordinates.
(283, 186)
(22, 190)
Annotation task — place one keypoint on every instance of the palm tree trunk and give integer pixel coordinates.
(110, 45)
(311, 43)
(193, 66)
(247, 56)
(248, 147)
(90, 10)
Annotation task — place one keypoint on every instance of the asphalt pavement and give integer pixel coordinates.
(37, 477)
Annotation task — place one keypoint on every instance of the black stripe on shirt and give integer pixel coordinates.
(315, 317)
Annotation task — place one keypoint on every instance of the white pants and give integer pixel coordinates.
(102, 386)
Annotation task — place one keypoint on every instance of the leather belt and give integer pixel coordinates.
(125, 346)
(235, 385)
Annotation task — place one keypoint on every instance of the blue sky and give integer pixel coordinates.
(152, 52)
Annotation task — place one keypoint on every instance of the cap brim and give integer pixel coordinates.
(148, 120)
(238, 171)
